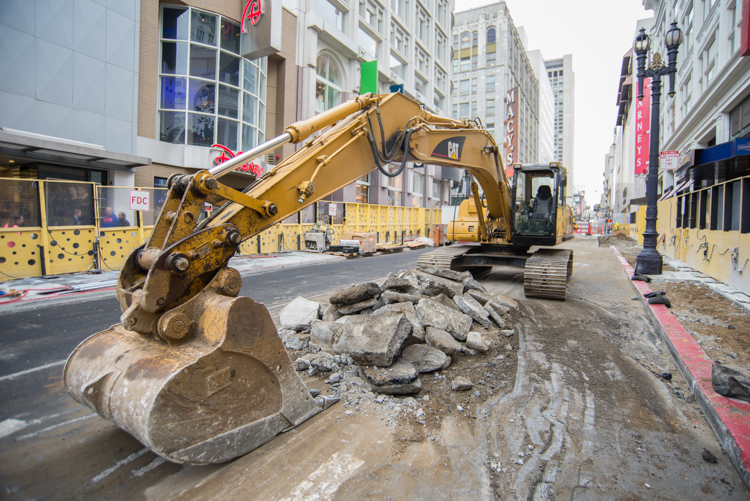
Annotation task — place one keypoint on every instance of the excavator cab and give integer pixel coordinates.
(538, 193)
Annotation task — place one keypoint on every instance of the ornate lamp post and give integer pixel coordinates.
(649, 261)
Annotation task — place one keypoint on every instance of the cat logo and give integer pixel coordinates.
(450, 148)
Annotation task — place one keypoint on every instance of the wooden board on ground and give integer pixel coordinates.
(383, 247)
(344, 254)
(416, 245)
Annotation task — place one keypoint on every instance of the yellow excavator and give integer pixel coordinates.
(200, 375)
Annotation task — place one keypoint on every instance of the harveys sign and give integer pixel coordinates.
(253, 11)
(252, 168)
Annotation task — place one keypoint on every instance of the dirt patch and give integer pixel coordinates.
(628, 247)
(718, 325)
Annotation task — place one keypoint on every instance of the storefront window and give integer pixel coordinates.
(200, 57)
(19, 203)
(69, 204)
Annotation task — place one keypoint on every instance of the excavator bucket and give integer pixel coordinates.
(225, 388)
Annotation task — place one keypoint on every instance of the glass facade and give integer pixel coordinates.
(208, 93)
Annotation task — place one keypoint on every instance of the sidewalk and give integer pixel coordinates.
(728, 417)
(83, 286)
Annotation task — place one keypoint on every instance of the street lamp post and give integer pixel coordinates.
(649, 261)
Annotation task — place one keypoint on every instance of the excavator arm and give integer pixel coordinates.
(200, 375)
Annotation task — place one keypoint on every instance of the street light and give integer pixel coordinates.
(649, 261)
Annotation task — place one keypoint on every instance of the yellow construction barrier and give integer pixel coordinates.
(56, 227)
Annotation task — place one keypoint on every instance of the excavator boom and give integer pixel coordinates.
(200, 375)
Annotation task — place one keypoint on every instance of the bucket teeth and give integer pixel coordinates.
(325, 402)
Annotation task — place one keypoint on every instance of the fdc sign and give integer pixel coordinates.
(139, 200)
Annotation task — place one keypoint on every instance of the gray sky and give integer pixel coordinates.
(597, 33)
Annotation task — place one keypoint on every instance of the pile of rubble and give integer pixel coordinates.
(389, 333)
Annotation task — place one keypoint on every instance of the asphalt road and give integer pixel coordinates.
(48, 333)
(583, 416)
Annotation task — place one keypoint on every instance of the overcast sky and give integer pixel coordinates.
(597, 33)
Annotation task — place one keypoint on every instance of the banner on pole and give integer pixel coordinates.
(642, 128)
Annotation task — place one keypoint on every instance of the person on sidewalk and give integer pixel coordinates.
(109, 220)
(76, 220)
(122, 220)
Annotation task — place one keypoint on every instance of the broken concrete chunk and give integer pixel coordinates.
(475, 341)
(494, 315)
(303, 362)
(434, 314)
(398, 297)
(323, 362)
(425, 358)
(456, 276)
(471, 284)
(348, 309)
(355, 294)
(331, 314)
(297, 342)
(432, 285)
(447, 363)
(322, 309)
(298, 314)
(324, 334)
(497, 305)
(400, 379)
(446, 301)
(442, 340)
(285, 333)
(469, 306)
(395, 283)
(374, 339)
(408, 310)
(479, 296)
(504, 300)
(461, 383)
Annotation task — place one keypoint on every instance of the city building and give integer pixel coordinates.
(546, 137)
(493, 80)
(409, 39)
(629, 189)
(562, 78)
(608, 185)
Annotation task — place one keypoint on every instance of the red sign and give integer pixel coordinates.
(642, 128)
(251, 167)
(745, 33)
(256, 10)
(511, 138)
(139, 200)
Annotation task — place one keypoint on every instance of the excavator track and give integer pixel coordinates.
(547, 273)
(443, 256)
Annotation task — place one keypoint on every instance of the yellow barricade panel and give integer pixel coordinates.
(20, 255)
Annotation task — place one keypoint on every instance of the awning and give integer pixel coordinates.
(719, 163)
(47, 149)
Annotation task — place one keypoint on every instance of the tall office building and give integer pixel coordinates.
(560, 73)
(493, 80)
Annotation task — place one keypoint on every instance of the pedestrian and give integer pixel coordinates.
(109, 220)
(76, 220)
(17, 222)
(122, 220)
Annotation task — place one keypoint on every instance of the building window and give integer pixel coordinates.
(441, 78)
(438, 101)
(710, 60)
(442, 13)
(367, 42)
(474, 61)
(441, 44)
(328, 84)
(160, 182)
(491, 59)
(474, 39)
(464, 86)
(490, 106)
(423, 24)
(420, 84)
(397, 66)
(473, 85)
(208, 94)
(491, 35)
(399, 7)
(688, 21)
(436, 189)
(473, 109)
(455, 66)
(490, 83)
(464, 110)
(455, 111)
(422, 60)
(330, 13)
(465, 63)
(491, 129)
(363, 190)
(399, 38)
(372, 14)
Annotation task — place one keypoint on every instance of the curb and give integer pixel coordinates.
(729, 418)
